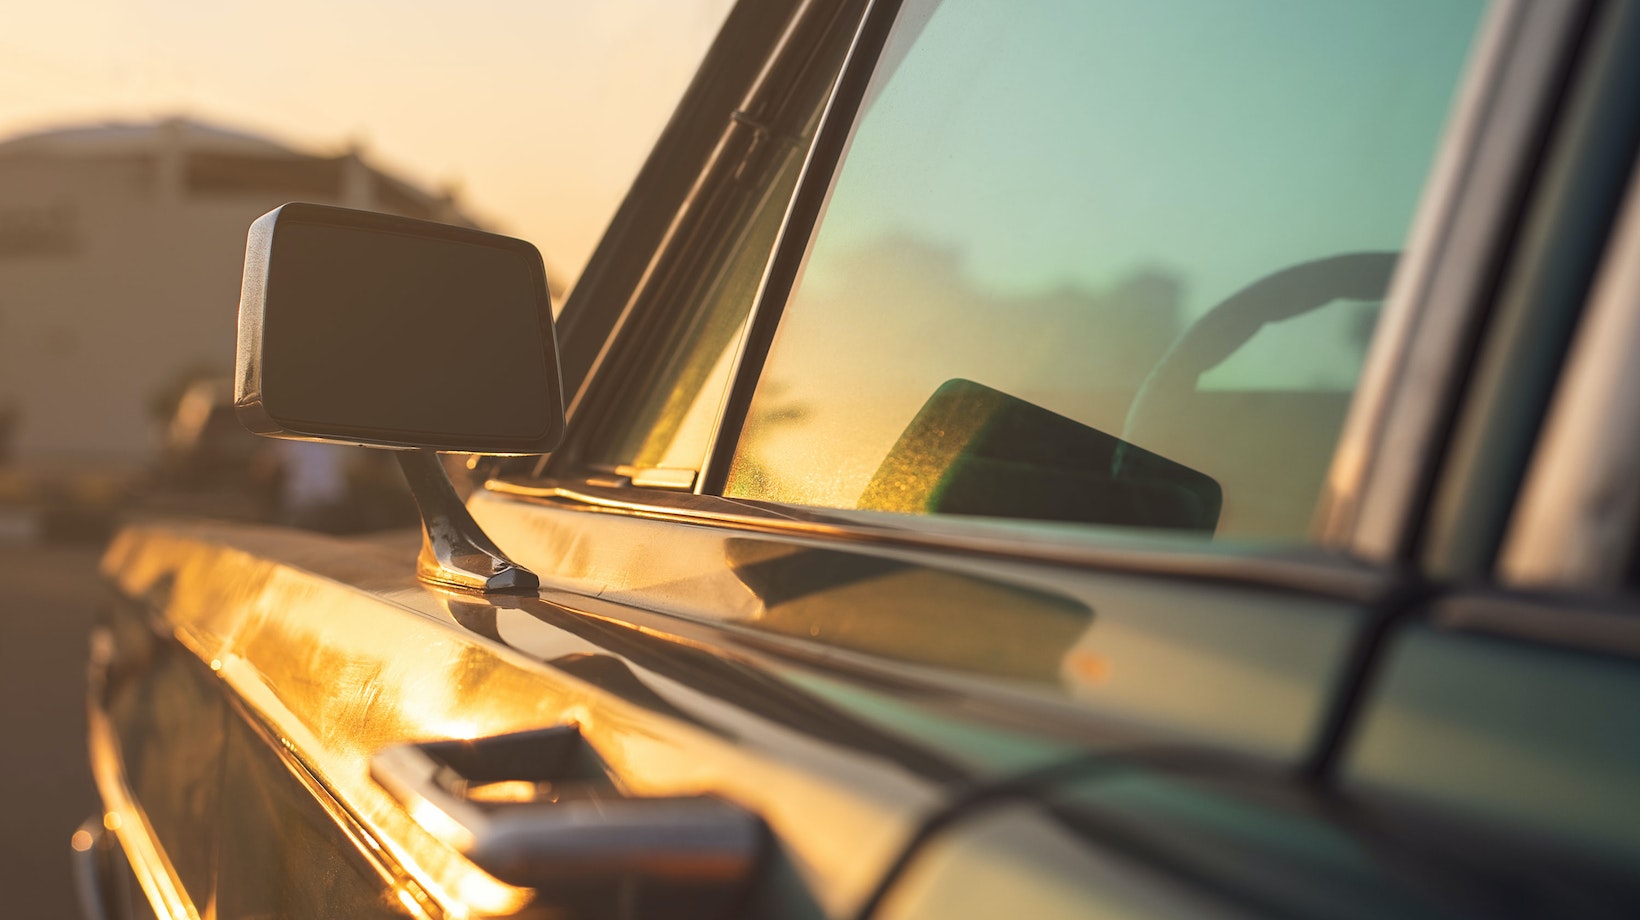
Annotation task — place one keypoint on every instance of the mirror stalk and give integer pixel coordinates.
(455, 552)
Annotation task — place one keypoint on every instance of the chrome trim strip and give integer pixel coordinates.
(1415, 369)
(644, 286)
(1303, 569)
(92, 879)
(1574, 526)
(125, 818)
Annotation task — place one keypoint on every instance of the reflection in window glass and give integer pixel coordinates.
(1012, 305)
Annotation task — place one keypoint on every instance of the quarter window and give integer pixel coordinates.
(1111, 263)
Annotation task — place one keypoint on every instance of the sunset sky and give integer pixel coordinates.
(538, 112)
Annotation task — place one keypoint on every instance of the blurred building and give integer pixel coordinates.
(121, 247)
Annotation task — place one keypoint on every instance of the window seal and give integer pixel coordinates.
(615, 278)
(1565, 234)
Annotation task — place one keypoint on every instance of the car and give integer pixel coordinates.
(1004, 459)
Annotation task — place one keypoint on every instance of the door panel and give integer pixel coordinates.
(280, 851)
(1017, 860)
(1166, 837)
(1515, 732)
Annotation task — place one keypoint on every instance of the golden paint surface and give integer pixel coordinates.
(338, 653)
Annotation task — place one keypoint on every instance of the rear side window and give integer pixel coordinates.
(1112, 263)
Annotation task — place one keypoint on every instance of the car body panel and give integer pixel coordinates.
(1143, 660)
(332, 651)
(1541, 739)
(311, 654)
(1018, 860)
(1163, 836)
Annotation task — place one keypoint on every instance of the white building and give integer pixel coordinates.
(121, 247)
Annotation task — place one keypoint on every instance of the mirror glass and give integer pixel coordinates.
(391, 331)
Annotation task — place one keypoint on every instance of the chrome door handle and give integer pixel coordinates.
(539, 809)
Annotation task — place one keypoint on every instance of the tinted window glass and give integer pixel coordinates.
(1105, 262)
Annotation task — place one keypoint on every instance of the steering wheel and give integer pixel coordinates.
(1290, 292)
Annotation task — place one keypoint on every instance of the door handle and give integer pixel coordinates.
(539, 809)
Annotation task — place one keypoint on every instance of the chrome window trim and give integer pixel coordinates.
(1567, 224)
(1574, 525)
(1417, 365)
(1300, 568)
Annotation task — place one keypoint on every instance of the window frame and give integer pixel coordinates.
(685, 207)
(1577, 521)
(1399, 426)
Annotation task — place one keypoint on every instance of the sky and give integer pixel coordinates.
(537, 112)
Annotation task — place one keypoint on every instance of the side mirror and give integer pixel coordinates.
(384, 331)
(371, 329)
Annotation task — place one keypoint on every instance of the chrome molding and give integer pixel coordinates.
(1292, 568)
(1416, 368)
(122, 816)
(1574, 526)
(93, 880)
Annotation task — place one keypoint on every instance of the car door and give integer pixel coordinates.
(855, 650)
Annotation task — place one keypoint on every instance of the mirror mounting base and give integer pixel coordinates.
(455, 551)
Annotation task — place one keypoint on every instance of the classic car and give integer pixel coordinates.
(1050, 459)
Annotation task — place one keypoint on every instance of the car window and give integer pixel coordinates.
(1113, 263)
